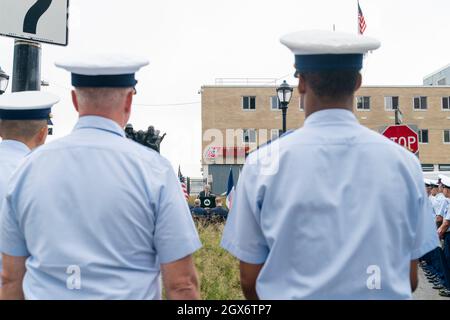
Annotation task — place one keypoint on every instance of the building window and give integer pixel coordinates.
(301, 102)
(423, 136)
(446, 103)
(274, 103)
(249, 103)
(420, 103)
(391, 103)
(447, 136)
(442, 82)
(275, 134)
(249, 136)
(363, 103)
(427, 167)
(444, 167)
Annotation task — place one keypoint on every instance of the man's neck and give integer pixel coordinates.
(116, 118)
(313, 110)
(314, 104)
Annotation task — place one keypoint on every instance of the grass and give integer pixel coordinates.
(218, 270)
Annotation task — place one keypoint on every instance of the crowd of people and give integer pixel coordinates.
(436, 264)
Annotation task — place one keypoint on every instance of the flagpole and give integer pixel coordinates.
(357, 17)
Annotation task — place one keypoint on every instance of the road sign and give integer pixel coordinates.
(35, 20)
(405, 136)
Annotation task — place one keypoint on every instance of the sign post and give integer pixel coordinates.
(26, 66)
(404, 136)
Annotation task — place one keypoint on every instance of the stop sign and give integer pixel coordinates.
(404, 136)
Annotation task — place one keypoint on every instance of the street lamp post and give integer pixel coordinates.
(4, 80)
(284, 93)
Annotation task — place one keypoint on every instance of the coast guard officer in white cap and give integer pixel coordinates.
(109, 215)
(23, 127)
(330, 223)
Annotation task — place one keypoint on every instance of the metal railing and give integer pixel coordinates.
(246, 81)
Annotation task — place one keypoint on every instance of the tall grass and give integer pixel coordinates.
(218, 270)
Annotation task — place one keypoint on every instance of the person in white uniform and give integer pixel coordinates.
(444, 232)
(24, 119)
(110, 216)
(317, 214)
(432, 263)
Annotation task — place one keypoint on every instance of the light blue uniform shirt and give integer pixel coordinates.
(12, 154)
(444, 210)
(440, 204)
(322, 211)
(101, 204)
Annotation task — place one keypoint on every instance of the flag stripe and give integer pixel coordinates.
(361, 20)
(183, 184)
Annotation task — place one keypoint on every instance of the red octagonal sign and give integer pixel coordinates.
(404, 136)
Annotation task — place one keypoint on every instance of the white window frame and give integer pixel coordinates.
(278, 135)
(391, 97)
(420, 99)
(242, 104)
(443, 136)
(442, 104)
(370, 104)
(431, 168)
(437, 82)
(243, 135)
(271, 104)
(420, 136)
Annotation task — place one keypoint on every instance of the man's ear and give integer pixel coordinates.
(129, 102)
(301, 85)
(75, 100)
(358, 82)
(42, 135)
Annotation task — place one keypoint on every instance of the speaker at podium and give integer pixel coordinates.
(208, 202)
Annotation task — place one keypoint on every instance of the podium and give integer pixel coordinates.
(208, 202)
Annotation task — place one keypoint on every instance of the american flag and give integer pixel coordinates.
(361, 21)
(183, 184)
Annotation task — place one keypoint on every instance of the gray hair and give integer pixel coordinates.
(101, 98)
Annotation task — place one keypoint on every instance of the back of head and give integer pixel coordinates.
(104, 83)
(24, 116)
(21, 130)
(101, 100)
(332, 84)
(328, 65)
(197, 202)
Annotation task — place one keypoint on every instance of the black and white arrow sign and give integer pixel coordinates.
(36, 20)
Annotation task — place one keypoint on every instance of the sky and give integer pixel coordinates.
(191, 43)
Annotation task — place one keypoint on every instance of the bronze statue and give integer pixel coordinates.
(150, 138)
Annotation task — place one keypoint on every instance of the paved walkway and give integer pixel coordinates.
(425, 290)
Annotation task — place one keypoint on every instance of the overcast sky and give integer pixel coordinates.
(191, 43)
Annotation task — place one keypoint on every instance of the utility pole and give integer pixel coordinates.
(26, 66)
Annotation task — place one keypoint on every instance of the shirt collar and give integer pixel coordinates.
(100, 123)
(331, 116)
(17, 146)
